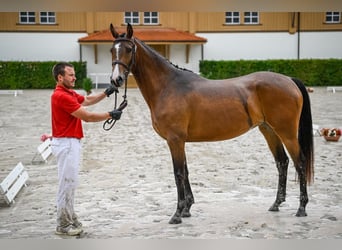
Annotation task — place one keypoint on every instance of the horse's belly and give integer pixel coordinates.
(218, 128)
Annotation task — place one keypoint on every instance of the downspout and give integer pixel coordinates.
(81, 53)
(202, 52)
(187, 52)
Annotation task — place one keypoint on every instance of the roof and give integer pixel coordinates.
(147, 35)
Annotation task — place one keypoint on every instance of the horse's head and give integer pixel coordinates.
(123, 54)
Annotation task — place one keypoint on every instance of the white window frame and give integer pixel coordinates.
(151, 18)
(250, 16)
(230, 17)
(27, 15)
(332, 15)
(132, 17)
(50, 17)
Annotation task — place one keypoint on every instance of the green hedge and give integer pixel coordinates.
(313, 72)
(34, 75)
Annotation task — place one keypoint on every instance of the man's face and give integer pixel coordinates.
(69, 78)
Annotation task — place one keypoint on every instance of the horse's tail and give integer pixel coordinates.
(305, 133)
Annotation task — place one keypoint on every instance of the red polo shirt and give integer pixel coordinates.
(63, 102)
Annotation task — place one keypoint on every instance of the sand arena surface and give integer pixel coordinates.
(127, 187)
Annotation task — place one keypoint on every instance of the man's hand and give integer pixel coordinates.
(110, 90)
(115, 114)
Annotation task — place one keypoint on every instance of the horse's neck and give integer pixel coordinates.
(150, 71)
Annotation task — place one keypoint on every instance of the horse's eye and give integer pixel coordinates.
(129, 50)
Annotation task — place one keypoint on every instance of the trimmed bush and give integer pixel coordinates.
(34, 75)
(313, 72)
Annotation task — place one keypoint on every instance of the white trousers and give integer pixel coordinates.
(67, 152)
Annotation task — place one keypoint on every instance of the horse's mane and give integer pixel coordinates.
(156, 54)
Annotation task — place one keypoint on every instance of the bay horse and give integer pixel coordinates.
(186, 107)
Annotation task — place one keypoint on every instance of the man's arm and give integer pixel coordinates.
(93, 99)
(83, 114)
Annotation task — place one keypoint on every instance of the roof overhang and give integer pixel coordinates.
(147, 35)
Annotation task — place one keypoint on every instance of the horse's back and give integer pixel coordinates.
(262, 80)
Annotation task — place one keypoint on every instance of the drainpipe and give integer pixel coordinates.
(80, 52)
(202, 52)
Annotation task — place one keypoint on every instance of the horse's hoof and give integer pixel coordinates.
(185, 213)
(301, 212)
(175, 220)
(274, 208)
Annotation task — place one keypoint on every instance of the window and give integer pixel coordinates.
(27, 17)
(132, 17)
(151, 18)
(332, 17)
(251, 17)
(47, 17)
(232, 18)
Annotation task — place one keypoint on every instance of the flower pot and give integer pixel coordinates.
(332, 138)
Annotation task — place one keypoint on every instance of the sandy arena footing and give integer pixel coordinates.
(127, 187)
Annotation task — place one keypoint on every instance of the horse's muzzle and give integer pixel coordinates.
(118, 82)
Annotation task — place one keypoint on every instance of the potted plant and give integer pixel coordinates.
(87, 85)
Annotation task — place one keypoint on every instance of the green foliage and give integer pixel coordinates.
(313, 72)
(87, 85)
(34, 75)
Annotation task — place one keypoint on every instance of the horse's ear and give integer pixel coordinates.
(129, 31)
(114, 33)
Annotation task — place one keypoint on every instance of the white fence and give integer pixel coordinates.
(99, 78)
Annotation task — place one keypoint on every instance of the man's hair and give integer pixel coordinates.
(59, 69)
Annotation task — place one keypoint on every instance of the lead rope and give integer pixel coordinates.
(111, 122)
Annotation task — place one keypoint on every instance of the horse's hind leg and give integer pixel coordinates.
(189, 198)
(282, 162)
(299, 161)
(292, 145)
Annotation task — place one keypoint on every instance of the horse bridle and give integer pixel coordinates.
(129, 66)
(111, 122)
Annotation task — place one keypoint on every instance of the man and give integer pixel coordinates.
(67, 113)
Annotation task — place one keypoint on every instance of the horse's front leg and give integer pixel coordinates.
(177, 149)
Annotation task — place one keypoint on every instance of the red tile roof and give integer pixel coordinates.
(148, 35)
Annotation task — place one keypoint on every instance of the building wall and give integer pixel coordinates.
(27, 46)
(275, 37)
(66, 22)
(214, 21)
(248, 46)
(321, 44)
(272, 45)
(185, 21)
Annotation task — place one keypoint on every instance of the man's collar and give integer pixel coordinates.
(60, 86)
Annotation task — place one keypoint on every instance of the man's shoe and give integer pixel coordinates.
(70, 230)
(77, 223)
